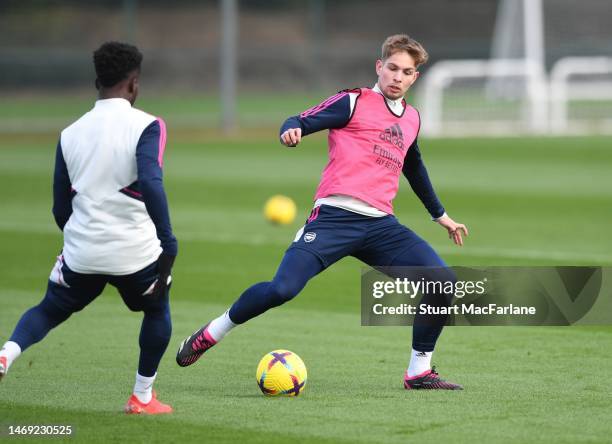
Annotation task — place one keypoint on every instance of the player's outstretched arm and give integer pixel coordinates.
(414, 170)
(334, 112)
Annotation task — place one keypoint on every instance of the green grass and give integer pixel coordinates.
(516, 379)
(46, 113)
(526, 201)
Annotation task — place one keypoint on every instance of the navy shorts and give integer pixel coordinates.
(71, 291)
(332, 233)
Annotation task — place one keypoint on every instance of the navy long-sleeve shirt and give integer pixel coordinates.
(150, 183)
(62, 190)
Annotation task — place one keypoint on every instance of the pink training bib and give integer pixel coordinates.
(367, 155)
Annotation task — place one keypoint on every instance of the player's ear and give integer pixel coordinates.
(133, 85)
(414, 78)
(379, 65)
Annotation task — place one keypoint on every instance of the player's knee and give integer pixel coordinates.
(56, 311)
(159, 309)
(446, 274)
(282, 290)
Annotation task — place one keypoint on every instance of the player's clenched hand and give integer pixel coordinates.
(164, 268)
(454, 229)
(291, 137)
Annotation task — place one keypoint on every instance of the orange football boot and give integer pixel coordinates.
(3, 367)
(153, 407)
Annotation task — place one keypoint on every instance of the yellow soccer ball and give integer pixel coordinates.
(281, 373)
(280, 210)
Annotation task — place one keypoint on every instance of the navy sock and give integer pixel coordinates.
(155, 333)
(296, 269)
(427, 328)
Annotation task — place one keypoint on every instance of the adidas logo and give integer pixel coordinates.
(421, 355)
(394, 135)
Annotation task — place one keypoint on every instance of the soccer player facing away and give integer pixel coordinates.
(372, 139)
(109, 200)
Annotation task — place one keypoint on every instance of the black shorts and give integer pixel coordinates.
(332, 233)
(73, 291)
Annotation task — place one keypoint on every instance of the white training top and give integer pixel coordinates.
(108, 231)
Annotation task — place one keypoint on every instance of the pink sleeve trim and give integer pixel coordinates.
(162, 141)
(325, 104)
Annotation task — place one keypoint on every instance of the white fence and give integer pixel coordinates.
(515, 96)
(564, 88)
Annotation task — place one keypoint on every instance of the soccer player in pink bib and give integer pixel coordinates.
(372, 140)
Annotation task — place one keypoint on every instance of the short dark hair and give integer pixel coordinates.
(114, 61)
(402, 42)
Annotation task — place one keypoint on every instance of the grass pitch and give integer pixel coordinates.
(526, 201)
